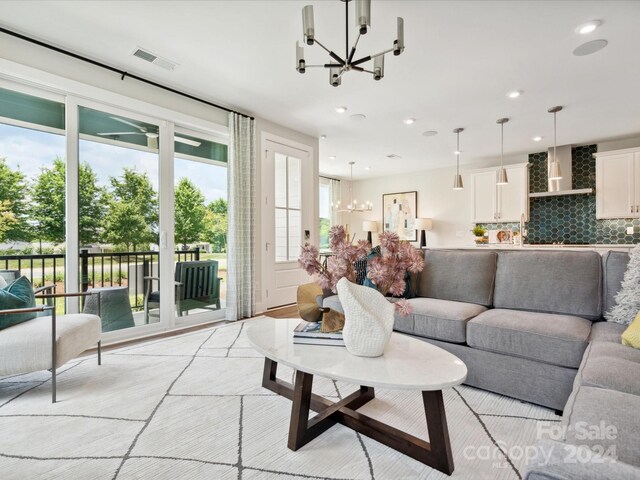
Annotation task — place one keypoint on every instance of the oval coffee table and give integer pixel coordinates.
(407, 364)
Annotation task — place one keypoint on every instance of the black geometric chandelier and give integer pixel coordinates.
(344, 64)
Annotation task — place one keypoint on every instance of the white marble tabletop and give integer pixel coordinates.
(407, 363)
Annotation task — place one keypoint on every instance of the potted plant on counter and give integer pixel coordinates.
(480, 232)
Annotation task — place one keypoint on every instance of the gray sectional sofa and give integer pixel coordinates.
(529, 324)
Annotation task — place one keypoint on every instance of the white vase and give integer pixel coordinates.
(368, 319)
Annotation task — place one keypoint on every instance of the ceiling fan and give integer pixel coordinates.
(152, 137)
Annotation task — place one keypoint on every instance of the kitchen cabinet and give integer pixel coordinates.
(492, 203)
(618, 184)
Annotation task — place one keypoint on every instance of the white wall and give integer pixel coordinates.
(449, 209)
(49, 61)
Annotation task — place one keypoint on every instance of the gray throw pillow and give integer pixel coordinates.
(628, 298)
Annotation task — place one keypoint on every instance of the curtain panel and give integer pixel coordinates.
(241, 232)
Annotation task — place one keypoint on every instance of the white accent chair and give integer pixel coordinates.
(46, 343)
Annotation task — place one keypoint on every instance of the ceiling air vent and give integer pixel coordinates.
(393, 156)
(155, 59)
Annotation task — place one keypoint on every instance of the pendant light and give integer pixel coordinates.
(457, 180)
(502, 173)
(554, 167)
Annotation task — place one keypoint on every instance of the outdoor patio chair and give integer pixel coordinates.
(43, 344)
(197, 286)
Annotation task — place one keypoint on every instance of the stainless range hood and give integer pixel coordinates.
(563, 185)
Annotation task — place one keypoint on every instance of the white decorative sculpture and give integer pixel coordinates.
(368, 319)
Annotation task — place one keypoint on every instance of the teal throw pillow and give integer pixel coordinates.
(18, 294)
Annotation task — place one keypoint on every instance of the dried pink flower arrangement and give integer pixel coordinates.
(338, 265)
(387, 271)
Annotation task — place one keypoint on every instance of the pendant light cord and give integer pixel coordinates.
(501, 144)
(555, 157)
(458, 155)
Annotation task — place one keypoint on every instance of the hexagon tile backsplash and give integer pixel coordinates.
(571, 219)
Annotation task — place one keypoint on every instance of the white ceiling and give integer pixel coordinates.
(461, 59)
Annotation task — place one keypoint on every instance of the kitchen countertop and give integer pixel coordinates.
(598, 247)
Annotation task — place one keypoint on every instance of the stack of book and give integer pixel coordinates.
(310, 334)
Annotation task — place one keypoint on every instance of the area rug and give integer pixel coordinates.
(191, 407)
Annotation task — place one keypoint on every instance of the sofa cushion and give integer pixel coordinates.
(614, 265)
(612, 366)
(566, 283)
(439, 319)
(26, 347)
(553, 460)
(597, 407)
(555, 339)
(606, 332)
(458, 275)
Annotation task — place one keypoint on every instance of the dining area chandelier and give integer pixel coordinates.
(339, 65)
(352, 206)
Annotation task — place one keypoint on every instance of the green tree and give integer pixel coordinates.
(125, 225)
(324, 232)
(190, 213)
(7, 219)
(136, 188)
(218, 206)
(216, 225)
(48, 204)
(13, 196)
(132, 217)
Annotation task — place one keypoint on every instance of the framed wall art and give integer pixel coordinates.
(399, 214)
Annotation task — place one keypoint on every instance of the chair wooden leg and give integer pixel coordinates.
(99, 352)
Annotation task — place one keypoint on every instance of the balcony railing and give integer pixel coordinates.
(96, 269)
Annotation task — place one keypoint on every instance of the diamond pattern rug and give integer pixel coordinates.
(191, 407)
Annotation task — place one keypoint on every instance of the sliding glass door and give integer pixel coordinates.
(95, 197)
(200, 226)
(118, 216)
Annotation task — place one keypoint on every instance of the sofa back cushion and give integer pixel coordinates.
(458, 275)
(568, 283)
(614, 265)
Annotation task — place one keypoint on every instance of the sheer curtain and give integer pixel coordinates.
(241, 174)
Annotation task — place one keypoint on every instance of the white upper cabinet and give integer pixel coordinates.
(484, 194)
(494, 203)
(618, 184)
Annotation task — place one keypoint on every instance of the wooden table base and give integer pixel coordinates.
(436, 453)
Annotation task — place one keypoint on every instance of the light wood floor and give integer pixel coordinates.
(288, 311)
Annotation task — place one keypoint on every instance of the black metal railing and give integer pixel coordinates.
(96, 269)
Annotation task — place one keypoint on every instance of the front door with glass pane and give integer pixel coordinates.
(285, 221)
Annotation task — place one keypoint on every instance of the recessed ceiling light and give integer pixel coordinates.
(590, 47)
(514, 93)
(537, 139)
(323, 137)
(367, 168)
(429, 133)
(332, 157)
(588, 27)
(457, 152)
(358, 117)
(341, 109)
(410, 121)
